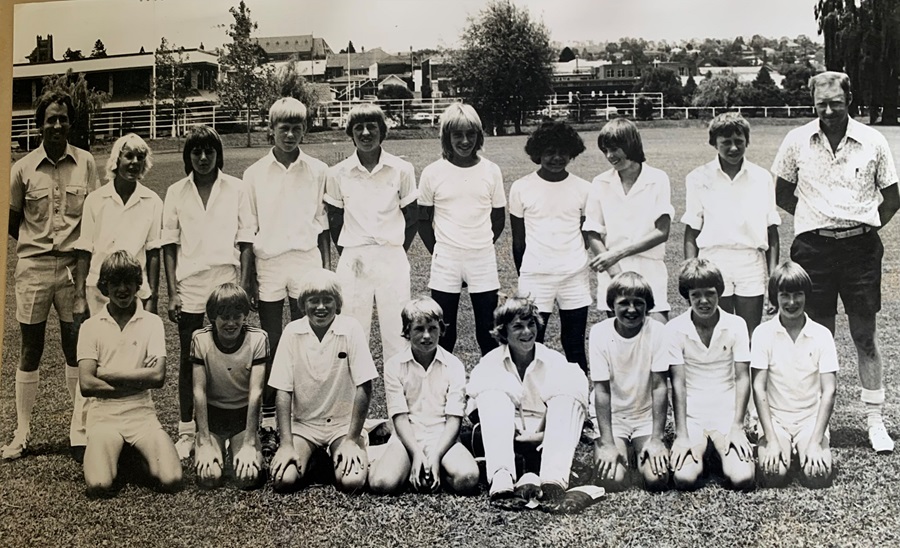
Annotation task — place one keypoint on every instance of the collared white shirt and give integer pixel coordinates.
(628, 364)
(122, 349)
(835, 189)
(708, 371)
(372, 202)
(108, 225)
(288, 203)
(322, 375)
(731, 213)
(50, 195)
(463, 198)
(428, 395)
(624, 218)
(793, 387)
(207, 236)
(552, 212)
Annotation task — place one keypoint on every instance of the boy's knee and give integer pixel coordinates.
(655, 483)
(816, 482)
(255, 482)
(289, 482)
(385, 484)
(170, 480)
(688, 477)
(351, 483)
(742, 478)
(97, 491)
(616, 483)
(465, 483)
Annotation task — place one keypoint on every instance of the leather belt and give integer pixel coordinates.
(841, 233)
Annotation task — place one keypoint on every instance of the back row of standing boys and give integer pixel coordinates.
(269, 233)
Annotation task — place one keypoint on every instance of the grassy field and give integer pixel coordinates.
(42, 501)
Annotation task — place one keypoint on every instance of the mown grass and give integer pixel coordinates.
(42, 502)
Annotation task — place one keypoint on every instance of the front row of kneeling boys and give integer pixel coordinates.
(527, 402)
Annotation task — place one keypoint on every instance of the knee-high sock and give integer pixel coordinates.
(26, 394)
(77, 432)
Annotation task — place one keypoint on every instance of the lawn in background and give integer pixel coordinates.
(42, 500)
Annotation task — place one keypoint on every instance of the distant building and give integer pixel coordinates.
(745, 75)
(297, 48)
(43, 52)
(604, 76)
(358, 74)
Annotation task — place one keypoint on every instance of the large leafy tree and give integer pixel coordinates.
(662, 80)
(86, 101)
(247, 83)
(719, 90)
(862, 38)
(288, 82)
(504, 65)
(171, 83)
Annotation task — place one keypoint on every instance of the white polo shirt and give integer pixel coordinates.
(428, 395)
(623, 218)
(101, 339)
(731, 213)
(552, 212)
(628, 365)
(228, 370)
(708, 371)
(288, 203)
(372, 202)
(108, 225)
(835, 189)
(322, 375)
(207, 236)
(463, 198)
(794, 367)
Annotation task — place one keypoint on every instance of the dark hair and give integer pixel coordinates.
(227, 298)
(554, 135)
(119, 267)
(517, 306)
(49, 98)
(423, 309)
(726, 125)
(699, 273)
(623, 134)
(202, 136)
(366, 112)
(630, 284)
(830, 78)
(788, 276)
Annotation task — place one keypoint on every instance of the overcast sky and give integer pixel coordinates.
(125, 26)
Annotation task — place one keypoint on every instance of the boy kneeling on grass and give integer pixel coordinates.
(794, 367)
(121, 356)
(229, 360)
(323, 373)
(425, 394)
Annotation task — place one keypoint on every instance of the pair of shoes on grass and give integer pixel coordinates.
(529, 493)
(880, 439)
(16, 448)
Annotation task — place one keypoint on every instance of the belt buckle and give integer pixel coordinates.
(849, 233)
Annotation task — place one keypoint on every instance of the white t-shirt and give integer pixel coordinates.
(794, 367)
(552, 212)
(463, 198)
(627, 364)
(228, 371)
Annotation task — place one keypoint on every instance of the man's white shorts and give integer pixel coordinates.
(451, 266)
(42, 282)
(744, 270)
(653, 270)
(570, 291)
(194, 290)
(283, 275)
(132, 418)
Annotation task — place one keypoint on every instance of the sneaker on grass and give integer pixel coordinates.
(16, 448)
(268, 439)
(880, 439)
(185, 445)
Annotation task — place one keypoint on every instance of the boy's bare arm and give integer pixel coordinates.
(426, 227)
(770, 455)
(151, 375)
(659, 234)
(448, 438)
(498, 219)
(200, 411)
(257, 383)
(360, 410)
(890, 204)
(411, 217)
(517, 226)
(82, 266)
(417, 460)
(607, 455)
(152, 256)
(679, 401)
(784, 195)
(325, 249)
(660, 399)
(247, 267)
(93, 386)
(827, 390)
(737, 438)
(691, 250)
(773, 254)
(170, 262)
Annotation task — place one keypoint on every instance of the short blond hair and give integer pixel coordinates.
(133, 142)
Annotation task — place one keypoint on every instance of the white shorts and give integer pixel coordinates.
(653, 270)
(700, 432)
(194, 290)
(451, 266)
(282, 276)
(632, 427)
(132, 418)
(571, 291)
(744, 270)
(320, 435)
(797, 433)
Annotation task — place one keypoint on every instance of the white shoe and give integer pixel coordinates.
(185, 446)
(14, 449)
(501, 485)
(880, 439)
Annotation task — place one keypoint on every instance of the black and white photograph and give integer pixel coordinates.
(450, 273)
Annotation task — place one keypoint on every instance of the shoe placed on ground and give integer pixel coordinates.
(185, 446)
(268, 439)
(16, 448)
(528, 487)
(880, 439)
(552, 495)
(501, 485)
(577, 499)
(78, 453)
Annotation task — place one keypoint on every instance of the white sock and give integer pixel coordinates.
(187, 428)
(26, 394)
(72, 381)
(874, 400)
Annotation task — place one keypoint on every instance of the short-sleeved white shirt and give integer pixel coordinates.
(372, 202)
(552, 212)
(207, 236)
(288, 203)
(463, 198)
(623, 218)
(731, 213)
(101, 339)
(628, 364)
(108, 225)
(794, 367)
(428, 395)
(709, 371)
(835, 189)
(228, 371)
(322, 375)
